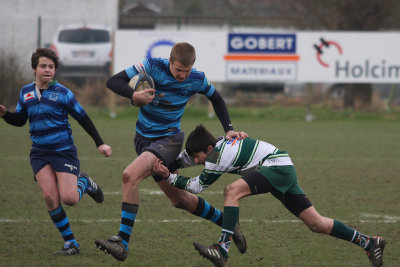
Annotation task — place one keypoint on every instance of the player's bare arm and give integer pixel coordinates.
(3, 111)
(160, 169)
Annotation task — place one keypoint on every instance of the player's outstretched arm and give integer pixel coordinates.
(160, 169)
(89, 127)
(105, 150)
(232, 134)
(13, 118)
(194, 185)
(3, 111)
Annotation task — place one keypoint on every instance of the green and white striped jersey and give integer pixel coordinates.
(235, 156)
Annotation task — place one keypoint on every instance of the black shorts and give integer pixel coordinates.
(165, 148)
(60, 161)
(258, 184)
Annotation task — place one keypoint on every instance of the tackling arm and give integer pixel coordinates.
(194, 185)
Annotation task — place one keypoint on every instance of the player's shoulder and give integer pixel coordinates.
(157, 62)
(28, 87)
(156, 66)
(56, 86)
(196, 74)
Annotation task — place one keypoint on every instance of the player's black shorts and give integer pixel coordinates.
(258, 184)
(165, 148)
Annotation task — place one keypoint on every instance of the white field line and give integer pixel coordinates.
(159, 192)
(151, 192)
(386, 218)
(377, 218)
(132, 158)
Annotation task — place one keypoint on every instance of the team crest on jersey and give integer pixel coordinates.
(186, 91)
(140, 68)
(233, 141)
(53, 96)
(28, 96)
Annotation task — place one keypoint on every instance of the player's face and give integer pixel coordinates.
(179, 71)
(200, 157)
(44, 71)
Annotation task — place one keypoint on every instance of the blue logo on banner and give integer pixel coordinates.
(149, 52)
(261, 43)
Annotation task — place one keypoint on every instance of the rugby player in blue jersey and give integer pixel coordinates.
(54, 159)
(264, 169)
(159, 136)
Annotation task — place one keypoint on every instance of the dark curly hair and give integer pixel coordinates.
(43, 52)
(199, 140)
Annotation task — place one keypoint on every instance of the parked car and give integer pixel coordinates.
(83, 50)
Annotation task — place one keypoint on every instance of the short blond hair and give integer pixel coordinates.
(183, 53)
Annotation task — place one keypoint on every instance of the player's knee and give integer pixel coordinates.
(70, 200)
(316, 226)
(128, 178)
(230, 192)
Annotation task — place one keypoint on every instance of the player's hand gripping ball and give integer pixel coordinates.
(141, 81)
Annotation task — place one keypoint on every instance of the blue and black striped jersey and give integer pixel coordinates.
(162, 117)
(48, 116)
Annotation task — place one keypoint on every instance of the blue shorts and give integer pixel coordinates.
(60, 161)
(165, 148)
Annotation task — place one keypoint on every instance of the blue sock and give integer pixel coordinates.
(206, 211)
(128, 217)
(82, 186)
(60, 220)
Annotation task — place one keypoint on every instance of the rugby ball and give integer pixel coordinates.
(141, 81)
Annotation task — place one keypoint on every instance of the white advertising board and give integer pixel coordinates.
(131, 47)
(332, 57)
(351, 57)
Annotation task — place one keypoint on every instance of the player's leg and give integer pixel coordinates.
(68, 188)
(372, 245)
(47, 181)
(135, 172)
(72, 189)
(196, 205)
(87, 185)
(218, 253)
(199, 207)
(167, 150)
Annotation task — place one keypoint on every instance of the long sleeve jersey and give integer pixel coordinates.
(48, 115)
(235, 156)
(163, 115)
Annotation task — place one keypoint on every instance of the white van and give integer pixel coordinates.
(83, 50)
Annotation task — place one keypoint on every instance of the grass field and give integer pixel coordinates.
(348, 165)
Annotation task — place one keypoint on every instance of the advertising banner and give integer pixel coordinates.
(321, 57)
(349, 57)
(133, 46)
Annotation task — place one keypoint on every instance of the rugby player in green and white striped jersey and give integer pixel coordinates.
(264, 169)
